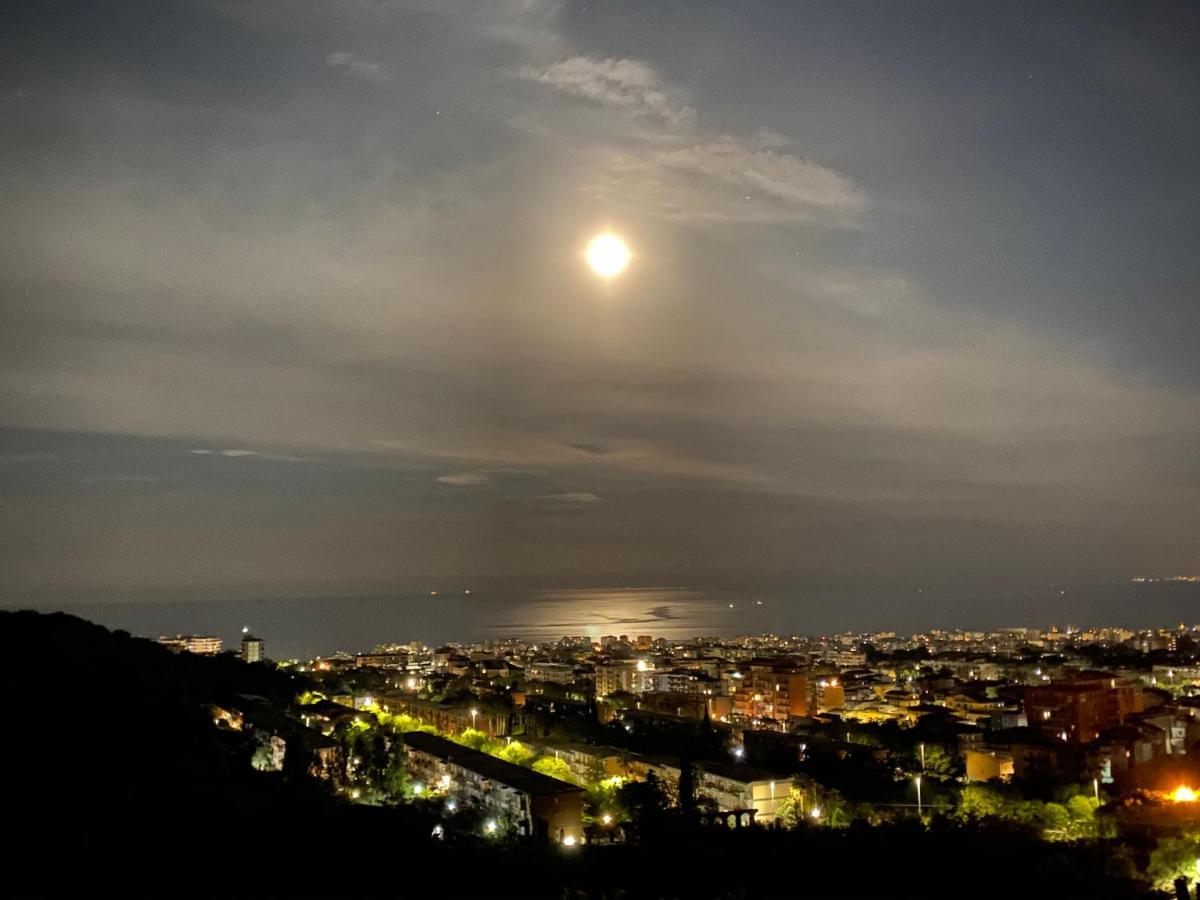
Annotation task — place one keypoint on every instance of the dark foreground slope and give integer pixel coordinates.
(117, 784)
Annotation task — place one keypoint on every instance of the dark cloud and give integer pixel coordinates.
(591, 448)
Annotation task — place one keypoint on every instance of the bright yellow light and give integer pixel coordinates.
(1184, 794)
(607, 255)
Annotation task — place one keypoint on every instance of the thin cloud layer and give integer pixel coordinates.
(464, 479)
(629, 86)
(352, 64)
(791, 181)
(698, 177)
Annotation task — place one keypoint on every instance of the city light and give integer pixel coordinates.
(1183, 794)
(569, 841)
(490, 826)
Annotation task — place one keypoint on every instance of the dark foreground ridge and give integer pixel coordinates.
(120, 785)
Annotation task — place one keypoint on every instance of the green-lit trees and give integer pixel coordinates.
(1072, 819)
(1173, 858)
(978, 801)
(602, 798)
(394, 779)
(476, 740)
(555, 768)
(813, 804)
(938, 763)
(517, 753)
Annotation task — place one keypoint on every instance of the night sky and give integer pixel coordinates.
(293, 299)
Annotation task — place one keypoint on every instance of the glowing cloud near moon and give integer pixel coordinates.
(608, 255)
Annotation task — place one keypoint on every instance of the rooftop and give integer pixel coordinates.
(517, 777)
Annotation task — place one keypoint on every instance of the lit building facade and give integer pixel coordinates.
(614, 677)
(252, 649)
(1078, 711)
(204, 644)
(534, 805)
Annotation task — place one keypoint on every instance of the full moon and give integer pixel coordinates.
(607, 255)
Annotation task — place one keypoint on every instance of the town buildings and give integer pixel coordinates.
(531, 804)
(252, 649)
(1032, 705)
(193, 643)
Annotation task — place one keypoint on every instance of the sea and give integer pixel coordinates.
(313, 626)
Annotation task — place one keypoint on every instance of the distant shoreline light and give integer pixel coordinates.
(1144, 579)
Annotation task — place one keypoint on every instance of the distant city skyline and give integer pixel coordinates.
(311, 626)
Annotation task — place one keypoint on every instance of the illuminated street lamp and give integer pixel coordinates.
(474, 713)
(922, 757)
(1184, 794)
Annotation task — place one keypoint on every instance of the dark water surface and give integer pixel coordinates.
(306, 627)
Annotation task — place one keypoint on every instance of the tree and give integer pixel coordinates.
(602, 797)
(939, 763)
(644, 801)
(554, 768)
(476, 740)
(809, 802)
(978, 801)
(789, 812)
(1055, 819)
(395, 783)
(517, 753)
(403, 723)
(1082, 812)
(1175, 857)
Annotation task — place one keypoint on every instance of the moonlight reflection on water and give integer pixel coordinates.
(306, 627)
